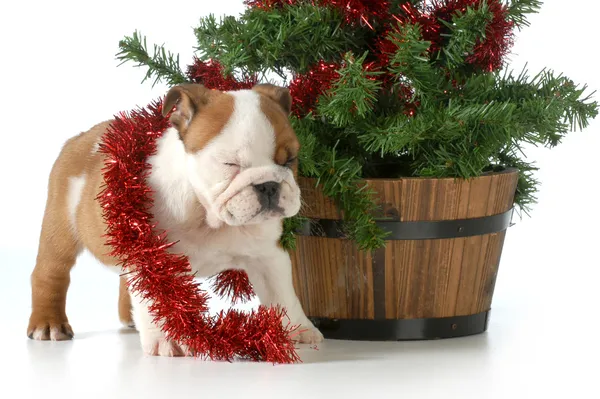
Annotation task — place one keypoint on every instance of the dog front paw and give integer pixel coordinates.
(49, 328)
(308, 335)
(154, 343)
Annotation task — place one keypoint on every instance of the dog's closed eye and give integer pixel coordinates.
(290, 162)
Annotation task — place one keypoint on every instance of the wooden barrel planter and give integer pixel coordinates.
(434, 278)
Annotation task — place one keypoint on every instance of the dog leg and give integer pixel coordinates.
(153, 340)
(58, 250)
(125, 304)
(271, 278)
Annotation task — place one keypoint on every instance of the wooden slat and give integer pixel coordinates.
(314, 203)
(420, 198)
(441, 258)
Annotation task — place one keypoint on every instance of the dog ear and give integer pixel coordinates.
(280, 95)
(188, 99)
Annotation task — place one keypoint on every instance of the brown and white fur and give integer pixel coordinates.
(208, 178)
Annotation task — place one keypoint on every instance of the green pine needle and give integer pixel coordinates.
(290, 227)
(464, 32)
(352, 96)
(411, 65)
(162, 65)
(519, 9)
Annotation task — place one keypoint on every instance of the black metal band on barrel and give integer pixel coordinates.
(402, 330)
(417, 230)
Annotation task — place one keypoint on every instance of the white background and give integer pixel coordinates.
(59, 76)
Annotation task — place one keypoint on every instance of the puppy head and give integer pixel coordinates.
(241, 151)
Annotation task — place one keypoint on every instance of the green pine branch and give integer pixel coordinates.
(162, 65)
(353, 95)
(519, 9)
(281, 39)
(525, 196)
(389, 135)
(290, 227)
(340, 179)
(549, 105)
(477, 123)
(339, 176)
(464, 32)
(411, 64)
(308, 130)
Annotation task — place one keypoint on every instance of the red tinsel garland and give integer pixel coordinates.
(210, 74)
(499, 38)
(305, 89)
(489, 53)
(362, 11)
(162, 277)
(233, 284)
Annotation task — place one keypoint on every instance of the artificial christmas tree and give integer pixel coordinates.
(411, 130)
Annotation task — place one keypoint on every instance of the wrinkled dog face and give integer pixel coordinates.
(241, 151)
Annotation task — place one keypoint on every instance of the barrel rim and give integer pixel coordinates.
(413, 178)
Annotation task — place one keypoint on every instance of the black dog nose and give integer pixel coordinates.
(269, 189)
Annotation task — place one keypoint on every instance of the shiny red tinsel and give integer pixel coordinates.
(364, 11)
(233, 284)
(162, 277)
(269, 4)
(382, 49)
(499, 38)
(489, 53)
(210, 74)
(354, 11)
(305, 89)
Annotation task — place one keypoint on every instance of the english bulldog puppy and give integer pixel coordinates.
(223, 179)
